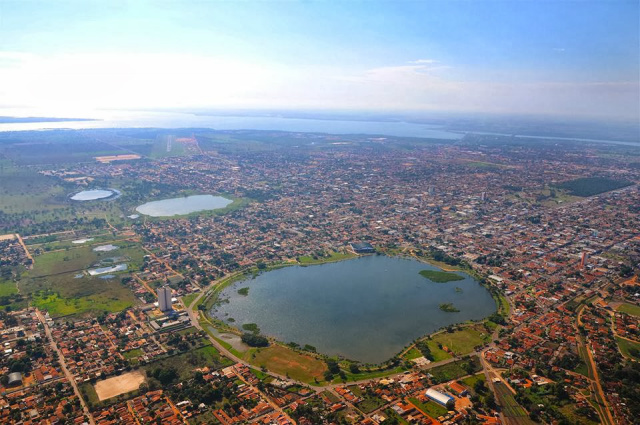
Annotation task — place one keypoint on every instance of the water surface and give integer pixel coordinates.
(184, 205)
(109, 269)
(93, 195)
(365, 309)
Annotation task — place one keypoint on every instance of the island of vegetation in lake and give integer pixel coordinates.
(448, 308)
(440, 277)
(243, 291)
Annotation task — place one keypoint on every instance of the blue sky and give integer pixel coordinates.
(573, 58)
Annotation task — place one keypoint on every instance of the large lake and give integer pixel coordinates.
(183, 205)
(129, 119)
(365, 309)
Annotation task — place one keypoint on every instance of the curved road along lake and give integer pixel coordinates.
(183, 205)
(365, 309)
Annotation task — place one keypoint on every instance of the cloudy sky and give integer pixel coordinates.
(565, 58)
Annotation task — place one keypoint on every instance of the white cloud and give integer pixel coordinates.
(424, 61)
(79, 83)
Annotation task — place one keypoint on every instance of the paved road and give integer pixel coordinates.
(63, 365)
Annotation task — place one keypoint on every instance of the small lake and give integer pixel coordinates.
(184, 205)
(94, 195)
(365, 309)
(109, 269)
(105, 248)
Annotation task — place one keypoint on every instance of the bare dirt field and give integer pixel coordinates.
(117, 385)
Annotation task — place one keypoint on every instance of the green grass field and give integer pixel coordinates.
(164, 148)
(132, 354)
(333, 256)
(628, 348)
(351, 377)
(414, 353)
(23, 190)
(58, 282)
(7, 288)
(631, 309)
(456, 370)
(463, 341)
(89, 394)
(368, 403)
(285, 361)
(440, 277)
(470, 381)
(58, 306)
(188, 299)
(431, 408)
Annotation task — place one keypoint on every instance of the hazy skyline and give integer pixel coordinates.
(577, 58)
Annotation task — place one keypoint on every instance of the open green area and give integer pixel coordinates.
(470, 381)
(369, 401)
(25, 191)
(56, 147)
(60, 306)
(59, 282)
(325, 257)
(589, 186)
(368, 374)
(7, 288)
(464, 340)
(631, 309)
(431, 408)
(457, 369)
(188, 299)
(437, 351)
(630, 349)
(133, 354)
(440, 277)
(285, 361)
(393, 417)
(166, 146)
(573, 415)
(89, 394)
(186, 363)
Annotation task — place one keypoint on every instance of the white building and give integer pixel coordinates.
(164, 298)
(443, 399)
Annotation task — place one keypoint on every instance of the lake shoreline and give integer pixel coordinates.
(247, 275)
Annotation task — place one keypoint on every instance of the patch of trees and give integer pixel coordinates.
(333, 368)
(165, 376)
(590, 186)
(198, 391)
(497, 318)
(443, 257)
(423, 347)
(253, 340)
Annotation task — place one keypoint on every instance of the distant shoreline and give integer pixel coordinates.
(18, 120)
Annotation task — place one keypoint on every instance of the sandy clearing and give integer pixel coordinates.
(117, 385)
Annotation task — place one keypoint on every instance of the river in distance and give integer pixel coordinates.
(183, 205)
(366, 309)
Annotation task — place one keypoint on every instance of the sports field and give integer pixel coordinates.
(117, 385)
